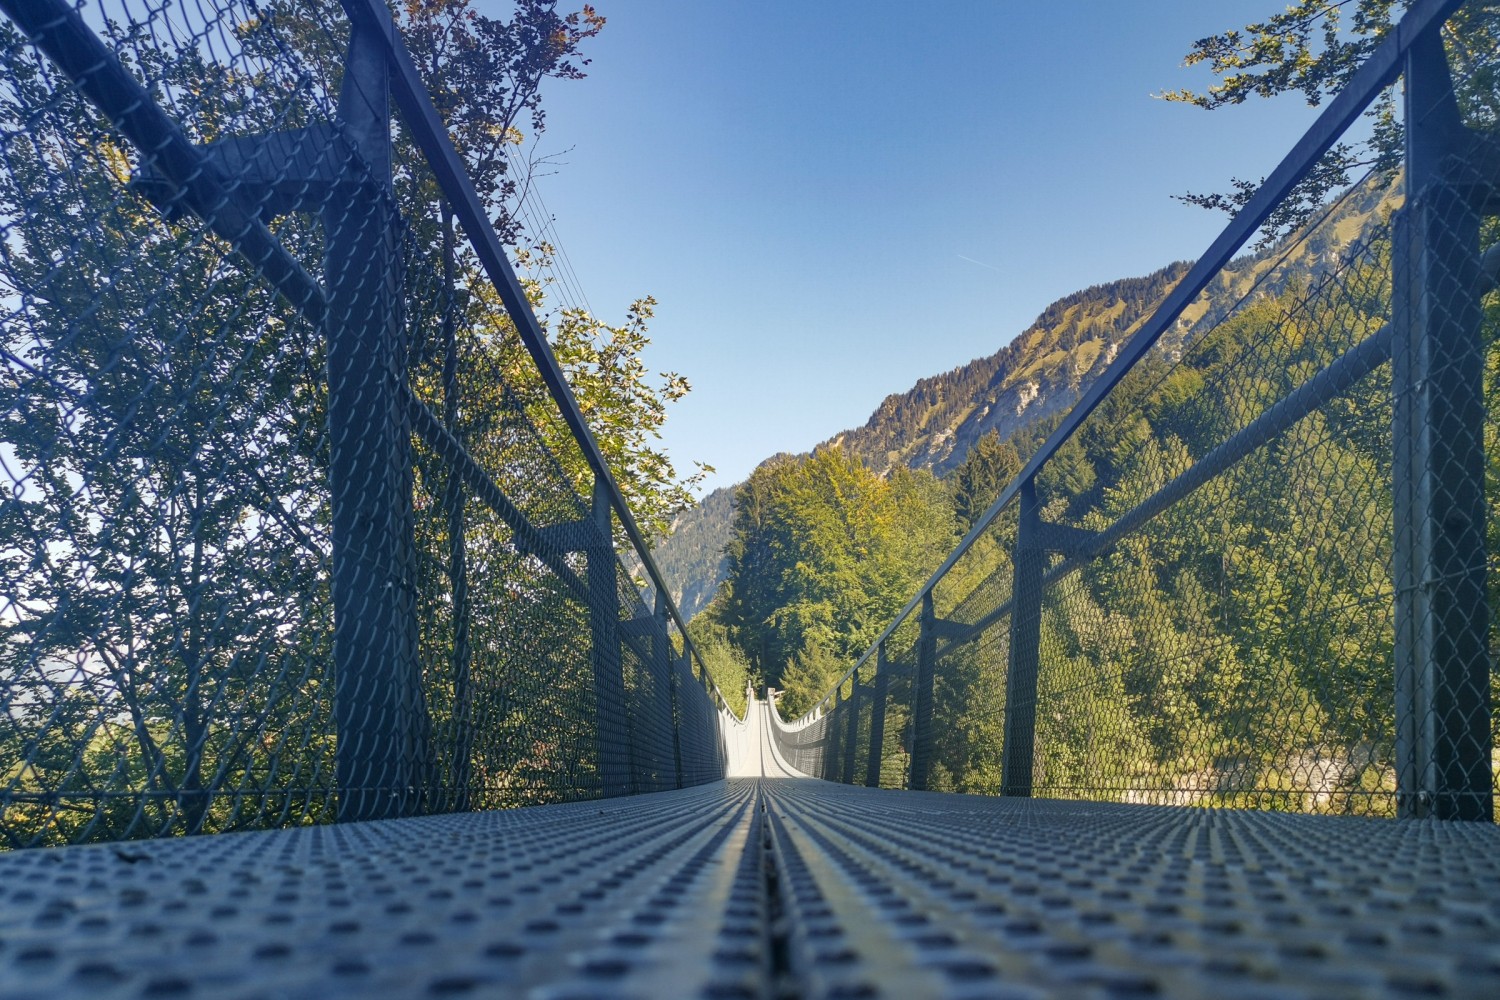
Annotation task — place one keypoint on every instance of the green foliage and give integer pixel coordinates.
(485, 75)
(1314, 48)
(158, 567)
(824, 554)
(726, 664)
(1237, 648)
(168, 627)
(612, 385)
(809, 676)
(988, 469)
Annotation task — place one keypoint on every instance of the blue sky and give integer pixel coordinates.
(832, 199)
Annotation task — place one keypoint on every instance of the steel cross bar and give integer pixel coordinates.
(529, 538)
(60, 32)
(1341, 373)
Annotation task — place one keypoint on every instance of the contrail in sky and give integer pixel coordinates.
(981, 263)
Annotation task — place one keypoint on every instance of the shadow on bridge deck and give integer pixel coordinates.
(771, 885)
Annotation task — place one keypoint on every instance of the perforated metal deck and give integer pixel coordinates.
(648, 894)
(776, 886)
(926, 894)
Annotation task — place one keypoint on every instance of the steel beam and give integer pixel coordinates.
(1019, 748)
(1443, 742)
(922, 691)
(378, 705)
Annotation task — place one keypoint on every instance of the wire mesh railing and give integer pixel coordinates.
(301, 520)
(1254, 566)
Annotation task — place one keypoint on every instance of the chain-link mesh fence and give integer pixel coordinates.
(1255, 574)
(293, 528)
(1230, 649)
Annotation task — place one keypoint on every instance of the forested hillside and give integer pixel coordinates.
(935, 423)
(692, 557)
(1023, 386)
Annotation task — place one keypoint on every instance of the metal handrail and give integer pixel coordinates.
(1378, 71)
(431, 137)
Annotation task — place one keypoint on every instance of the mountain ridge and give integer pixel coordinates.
(1036, 376)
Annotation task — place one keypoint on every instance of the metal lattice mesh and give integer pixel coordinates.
(166, 612)
(1231, 649)
(292, 529)
(969, 701)
(1256, 574)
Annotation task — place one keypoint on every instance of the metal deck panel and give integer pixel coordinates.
(640, 896)
(962, 896)
(770, 884)
(876, 893)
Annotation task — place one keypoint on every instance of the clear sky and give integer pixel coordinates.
(831, 199)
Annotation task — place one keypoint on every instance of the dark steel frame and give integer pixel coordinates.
(1443, 667)
(384, 761)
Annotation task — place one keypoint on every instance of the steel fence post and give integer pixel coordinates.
(877, 719)
(378, 705)
(851, 729)
(1442, 662)
(665, 668)
(828, 761)
(462, 769)
(615, 772)
(922, 684)
(1019, 748)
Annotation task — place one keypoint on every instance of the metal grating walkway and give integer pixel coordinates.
(774, 886)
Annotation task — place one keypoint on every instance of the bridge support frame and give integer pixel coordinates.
(1019, 749)
(379, 711)
(616, 775)
(877, 718)
(1442, 660)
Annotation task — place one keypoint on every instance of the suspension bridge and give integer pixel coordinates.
(335, 663)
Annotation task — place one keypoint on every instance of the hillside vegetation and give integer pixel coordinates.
(1234, 646)
(1020, 391)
